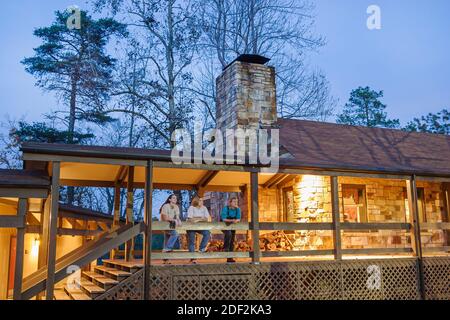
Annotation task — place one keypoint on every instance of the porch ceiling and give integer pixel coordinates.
(98, 173)
(8, 206)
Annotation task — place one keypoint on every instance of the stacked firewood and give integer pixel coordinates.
(215, 246)
(242, 246)
(275, 241)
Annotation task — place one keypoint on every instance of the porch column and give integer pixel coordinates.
(18, 271)
(446, 217)
(53, 226)
(336, 217)
(255, 216)
(116, 211)
(129, 212)
(148, 228)
(43, 243)
(416, 241)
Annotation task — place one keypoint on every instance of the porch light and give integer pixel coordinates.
(35, 248)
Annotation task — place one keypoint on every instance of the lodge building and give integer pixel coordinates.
(346, 201)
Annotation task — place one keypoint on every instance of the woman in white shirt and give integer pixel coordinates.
(197, 212)
(170, 212)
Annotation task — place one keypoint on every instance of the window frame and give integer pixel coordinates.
(363, 187)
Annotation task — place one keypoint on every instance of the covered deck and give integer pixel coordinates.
(295, 221)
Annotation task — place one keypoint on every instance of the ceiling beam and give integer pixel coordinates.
(285, 180)
(274, 180)
(206, 179)
(120, 175)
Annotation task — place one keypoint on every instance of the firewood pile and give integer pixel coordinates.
(242, 246)
(275, 241)
(215, 246)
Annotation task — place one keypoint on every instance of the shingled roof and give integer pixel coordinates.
(12, 178)
(344, 147)
(317, 145)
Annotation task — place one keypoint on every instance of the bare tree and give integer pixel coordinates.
(165, 36)
(278, 29)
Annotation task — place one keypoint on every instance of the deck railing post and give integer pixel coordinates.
(53, 226)
(416, 243)
(255, 216)
(116, 217)
(18, 271)
(446, 216)
(148, 228)
(129, 245)
(336, 217)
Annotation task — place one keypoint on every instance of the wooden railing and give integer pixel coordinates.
(351, 226)
(445, 226)
(242, 227)
(36, 282)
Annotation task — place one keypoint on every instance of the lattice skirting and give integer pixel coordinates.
(436, 272)
(336, 280)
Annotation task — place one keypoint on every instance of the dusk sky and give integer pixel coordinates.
(409, 58)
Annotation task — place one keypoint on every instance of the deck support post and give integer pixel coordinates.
(148, 228)
(53, 228)
(116, 211)
(416, 242)
(255, 216)
(336, 218)
(446, 215)
(129, 245)
(18, 271)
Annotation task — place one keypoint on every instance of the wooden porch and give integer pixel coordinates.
(425, 267)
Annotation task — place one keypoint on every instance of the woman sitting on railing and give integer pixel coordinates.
(198, 213)
(230, 214)
(170, 212)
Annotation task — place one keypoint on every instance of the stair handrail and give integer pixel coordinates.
(36, 282)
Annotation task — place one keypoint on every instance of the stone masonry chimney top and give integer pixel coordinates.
(249, 58)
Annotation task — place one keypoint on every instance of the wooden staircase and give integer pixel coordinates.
(95, 283)
(82, 256)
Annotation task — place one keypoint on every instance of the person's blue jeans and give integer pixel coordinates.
(173, 237)
(191, 239)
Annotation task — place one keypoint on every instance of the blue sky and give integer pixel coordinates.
(409, 58)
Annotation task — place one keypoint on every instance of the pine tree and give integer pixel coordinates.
(364, 108)
(432, 122)
(73, 64)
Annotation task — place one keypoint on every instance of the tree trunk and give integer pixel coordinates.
(170, 70)
(71, 130)
(73, 101)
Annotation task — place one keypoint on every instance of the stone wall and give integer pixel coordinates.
(385, 198)
(386, 202)
(312, 198)
(268, 205)
(434, 211)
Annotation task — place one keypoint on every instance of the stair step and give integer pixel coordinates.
(60, 295)
(90, 288)
(117, 274)
(131, 266)
(76, 294)
(100, 280)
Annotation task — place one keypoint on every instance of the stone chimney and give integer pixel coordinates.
(246, 94)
